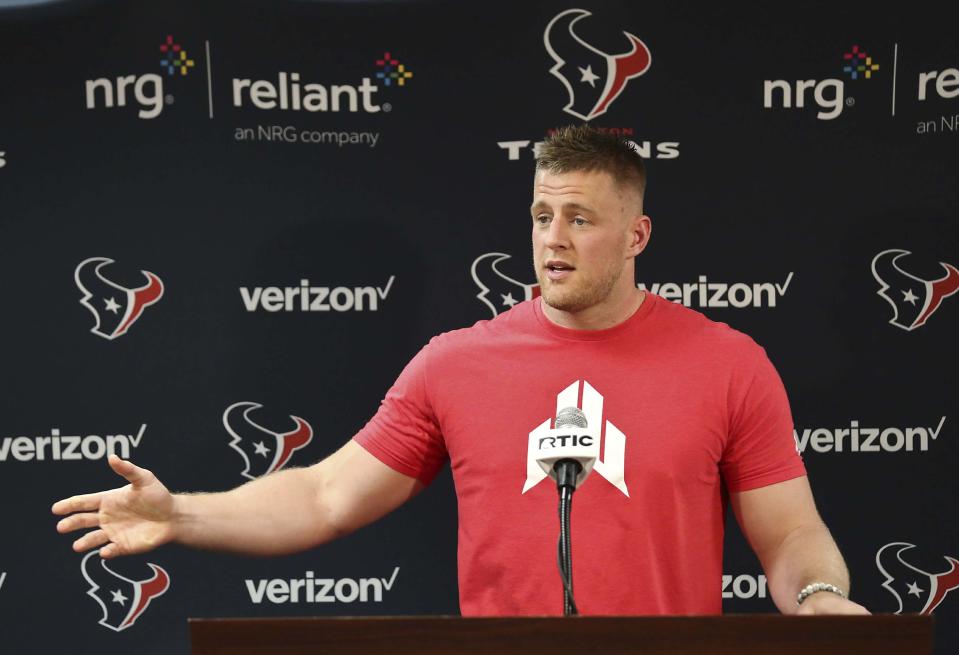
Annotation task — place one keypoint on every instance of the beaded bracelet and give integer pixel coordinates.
(809, 590)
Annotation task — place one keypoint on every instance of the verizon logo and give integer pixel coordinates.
(704, 293)
(856, 439)
(307, 298)
(310, 589)
(744, 586)
(69, 447)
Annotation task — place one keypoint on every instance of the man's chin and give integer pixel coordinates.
(563, 302)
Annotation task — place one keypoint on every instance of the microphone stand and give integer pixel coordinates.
(566, 472)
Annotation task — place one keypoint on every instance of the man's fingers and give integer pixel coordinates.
(78, 521)
(82, 503)
(90, 540)
(110, 550)
(133, 473)
(91, 502)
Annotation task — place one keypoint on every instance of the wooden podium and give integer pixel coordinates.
(766, 634)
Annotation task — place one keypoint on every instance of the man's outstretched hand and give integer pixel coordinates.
(132, 519)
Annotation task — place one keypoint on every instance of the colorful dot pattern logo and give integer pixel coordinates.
(175, 58)
(858, 63)
(392, 71)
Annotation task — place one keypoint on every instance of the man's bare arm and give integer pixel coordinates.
(280, 513)
(782, 525)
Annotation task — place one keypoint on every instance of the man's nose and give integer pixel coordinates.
(557, 236)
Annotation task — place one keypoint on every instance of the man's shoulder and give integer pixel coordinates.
(515, 323)
(676, 321)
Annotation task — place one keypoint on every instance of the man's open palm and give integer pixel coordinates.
(132, 519)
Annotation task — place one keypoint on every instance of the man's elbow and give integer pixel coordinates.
(335, 515)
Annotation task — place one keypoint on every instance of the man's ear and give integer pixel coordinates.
(640, 229)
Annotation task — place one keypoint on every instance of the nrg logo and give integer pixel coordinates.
(828, 96)
(146, 89)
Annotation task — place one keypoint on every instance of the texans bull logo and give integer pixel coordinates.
(913, 299)
(115, 307)
(916, 591)
(262, 449)
(498, 291)
(593, 79)
(123, 600)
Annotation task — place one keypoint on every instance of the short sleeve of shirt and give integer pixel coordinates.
(760, 449)
(404, 433)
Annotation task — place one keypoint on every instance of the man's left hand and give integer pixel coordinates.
(824, 602)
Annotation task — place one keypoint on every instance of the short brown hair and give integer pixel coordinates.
(585, 148)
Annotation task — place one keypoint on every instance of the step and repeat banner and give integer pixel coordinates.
(227, 226)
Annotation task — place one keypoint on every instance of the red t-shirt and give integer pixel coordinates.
(689, 407)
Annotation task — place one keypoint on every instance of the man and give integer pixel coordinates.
(692, 412)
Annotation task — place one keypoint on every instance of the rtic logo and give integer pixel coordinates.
(916, 591)
(59, 447)
(115, 307)
(3, 160)
(744, 586)
(855, 439)
(306, 298)
(263, 450)
(310, 589)
(579, 66)
(3, 578)
(828, 94)
(703, 293)
(610, 464)
(919, 298)
(122, 600)
(146, 89)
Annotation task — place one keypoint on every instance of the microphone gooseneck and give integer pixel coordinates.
(566, 472)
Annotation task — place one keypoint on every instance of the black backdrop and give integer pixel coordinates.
(780, 208)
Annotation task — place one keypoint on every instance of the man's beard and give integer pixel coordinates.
(578, 296)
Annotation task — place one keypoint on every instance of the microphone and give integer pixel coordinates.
(568, 452)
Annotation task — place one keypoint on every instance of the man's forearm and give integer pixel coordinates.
(273, 515)
(808, 554)
(295, 509)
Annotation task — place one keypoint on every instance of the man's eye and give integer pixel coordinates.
(580, 221)
(542, 219)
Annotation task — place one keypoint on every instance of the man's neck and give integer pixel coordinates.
(599, 317)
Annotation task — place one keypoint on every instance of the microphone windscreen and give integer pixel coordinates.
(571, 416)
